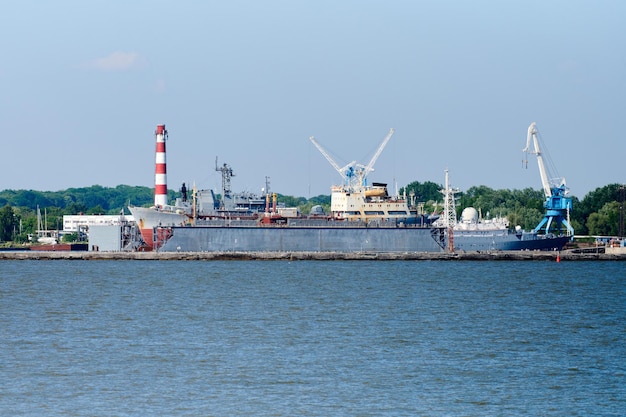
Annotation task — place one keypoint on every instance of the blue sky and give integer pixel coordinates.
(84, 84)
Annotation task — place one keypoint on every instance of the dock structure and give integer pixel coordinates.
(562, 256)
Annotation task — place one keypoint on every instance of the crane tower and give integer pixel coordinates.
(557, 204)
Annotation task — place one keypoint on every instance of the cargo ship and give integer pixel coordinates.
(363, 218)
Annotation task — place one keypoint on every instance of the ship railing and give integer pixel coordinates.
(308, 222)
(227, 223)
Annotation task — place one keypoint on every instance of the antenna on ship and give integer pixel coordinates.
(160, 176)
(267, 184)
(227, 173)
(449, 207)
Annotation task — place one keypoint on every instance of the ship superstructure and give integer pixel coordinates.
(356, 200)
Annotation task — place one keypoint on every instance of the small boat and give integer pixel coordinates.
(42, 234)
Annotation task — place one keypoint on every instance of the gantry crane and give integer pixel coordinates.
(354, 174)
(557, 204)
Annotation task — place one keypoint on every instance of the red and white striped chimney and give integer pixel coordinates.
(160, 178)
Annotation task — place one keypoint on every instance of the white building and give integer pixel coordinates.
(83, 222)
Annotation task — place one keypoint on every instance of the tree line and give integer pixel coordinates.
(18, 215)
(600, 212)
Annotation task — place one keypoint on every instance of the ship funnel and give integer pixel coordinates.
(160, 177)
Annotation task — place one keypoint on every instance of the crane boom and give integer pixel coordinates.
(532, 136)
(370, 166)
(341, 171)
(354, 174)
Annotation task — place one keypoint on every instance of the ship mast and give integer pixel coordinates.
(227, 174)
(449, 208)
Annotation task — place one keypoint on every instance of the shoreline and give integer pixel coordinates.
(321, 256)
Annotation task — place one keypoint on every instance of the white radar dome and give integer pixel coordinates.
(469, 215)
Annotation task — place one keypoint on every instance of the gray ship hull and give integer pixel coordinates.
(347, 239)
(480, 241)
(304, 239)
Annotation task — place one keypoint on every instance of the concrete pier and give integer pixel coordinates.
(321, 256)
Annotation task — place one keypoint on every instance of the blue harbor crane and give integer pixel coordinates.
(557, 204)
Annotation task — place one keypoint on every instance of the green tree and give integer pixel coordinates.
(525, 217)
(606, 221)
(76, 208)
(322, 199)
(8, 223)
(96, 210)
(290, 201)
(424, 192)
(70, 237)
(592, 203)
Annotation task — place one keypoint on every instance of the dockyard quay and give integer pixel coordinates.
(320, 256)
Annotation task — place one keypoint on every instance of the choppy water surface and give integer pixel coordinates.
(277, 338)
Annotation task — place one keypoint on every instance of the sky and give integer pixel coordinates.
(83, 85)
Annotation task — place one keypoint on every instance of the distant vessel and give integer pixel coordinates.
(363, 218)
(42, 234)
(184, 212)
(473, 233)
(204, 205)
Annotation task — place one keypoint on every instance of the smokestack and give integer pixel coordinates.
(160, 178)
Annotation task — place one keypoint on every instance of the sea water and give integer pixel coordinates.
(314, 338)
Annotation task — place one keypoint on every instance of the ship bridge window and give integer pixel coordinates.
(353, 213)
(374, 213)
(397, 213)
